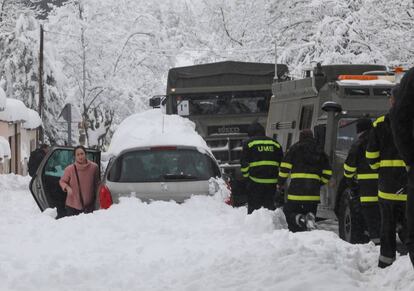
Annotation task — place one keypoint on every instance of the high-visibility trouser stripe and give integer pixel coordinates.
(286, 165)
(283, 174)
(367, 176)
(375, 166)
(372, 155)
(245, 169)
(349, 175)
(324, 180)
(349, 168)
(386, 260)
(392, 196)
(304, 176)
(263, 142)
(368, 198)
(327, 172)
(263, 180)
(263, 163)
(392, 163)
(245, 175)
(303, 198)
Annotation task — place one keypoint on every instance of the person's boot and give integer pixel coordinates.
(310, 221)
(301, 221)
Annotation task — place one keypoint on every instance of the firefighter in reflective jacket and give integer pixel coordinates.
(260, 160)
(383, 156)
(363, 181)
(308, 168)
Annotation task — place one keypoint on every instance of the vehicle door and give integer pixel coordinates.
(44, 186)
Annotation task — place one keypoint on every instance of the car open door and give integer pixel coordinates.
(45, 183)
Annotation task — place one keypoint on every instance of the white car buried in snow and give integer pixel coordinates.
(152, 156)
(157, 157)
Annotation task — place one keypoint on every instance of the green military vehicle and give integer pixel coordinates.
(222, 99)
(329, 100)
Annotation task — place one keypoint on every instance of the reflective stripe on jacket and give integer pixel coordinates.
(308, 168)
(260, 160)
(357, 170)
(382, 156)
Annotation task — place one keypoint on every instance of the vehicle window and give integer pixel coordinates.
(58, 161)
(357, 91)
(306, 117)
(227, 102)
(346, 134)
(382, 91)
(163, 165)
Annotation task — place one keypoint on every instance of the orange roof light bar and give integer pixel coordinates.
(357, 77)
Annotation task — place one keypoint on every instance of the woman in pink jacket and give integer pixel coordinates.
(80, 181)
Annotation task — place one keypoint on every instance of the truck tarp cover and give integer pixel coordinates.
(227, 73)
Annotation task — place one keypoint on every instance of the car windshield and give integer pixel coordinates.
(226, 103)
(163, 165)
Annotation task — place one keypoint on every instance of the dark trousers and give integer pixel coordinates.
(410, 215)
(372, 219)
(260, 195)
(292, 209)
(72, 211)
(392, 214)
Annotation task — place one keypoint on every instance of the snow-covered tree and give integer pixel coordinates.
(19, 67)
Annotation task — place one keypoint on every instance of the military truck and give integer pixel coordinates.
(329, 100)
(222, 99)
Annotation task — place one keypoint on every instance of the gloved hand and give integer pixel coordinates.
(355, 202)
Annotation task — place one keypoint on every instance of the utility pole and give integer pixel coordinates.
(41, 97)
(275, 78)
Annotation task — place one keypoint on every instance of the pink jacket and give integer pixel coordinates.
(89, 180)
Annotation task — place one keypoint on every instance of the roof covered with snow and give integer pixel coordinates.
(32, 120)
(153, 128)
(2, 99)
(15, 111)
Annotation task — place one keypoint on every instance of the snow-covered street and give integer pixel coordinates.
(202, 244)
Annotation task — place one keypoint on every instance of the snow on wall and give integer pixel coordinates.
(5, 151)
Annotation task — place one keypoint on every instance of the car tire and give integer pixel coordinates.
(350, 221)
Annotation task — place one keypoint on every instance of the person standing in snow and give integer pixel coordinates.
(363, 181)
(402, 123)
(260, 159)
(382, 156)
(308, 168)
(80, 181)
(36, 158)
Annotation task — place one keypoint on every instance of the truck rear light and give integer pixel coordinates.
(105, 198)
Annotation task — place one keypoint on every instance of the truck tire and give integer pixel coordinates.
(350, 221)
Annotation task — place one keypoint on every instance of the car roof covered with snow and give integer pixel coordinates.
(154, 128)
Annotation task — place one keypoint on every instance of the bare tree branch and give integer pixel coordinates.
(226, 30)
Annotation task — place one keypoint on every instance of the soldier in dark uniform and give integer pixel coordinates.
(402, 122)
(382, 155)
(308, 168)
(260, 160)
(363, 181)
